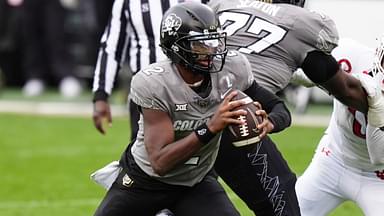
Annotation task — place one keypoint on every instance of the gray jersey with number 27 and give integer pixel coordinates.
(275, 37)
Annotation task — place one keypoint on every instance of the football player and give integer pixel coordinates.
(349, 160)
(278, 39)
(185, 104)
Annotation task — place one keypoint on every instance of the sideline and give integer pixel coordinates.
(85, 110)
(55, 108)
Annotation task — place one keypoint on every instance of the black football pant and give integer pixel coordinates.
(260, 176)
(135, 193)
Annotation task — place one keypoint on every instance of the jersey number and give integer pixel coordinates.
(233, 22)
(153, 70)
(359, 123)
(359, 119)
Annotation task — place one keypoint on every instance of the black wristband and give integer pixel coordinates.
(204, 134)
(100, 95)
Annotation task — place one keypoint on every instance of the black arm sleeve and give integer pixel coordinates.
(319, 66)
(278, 113)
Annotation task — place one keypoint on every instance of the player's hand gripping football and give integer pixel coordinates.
(226, 114)
(101, 113)
(266, 125)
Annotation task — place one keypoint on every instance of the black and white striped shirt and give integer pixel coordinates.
(133, 32)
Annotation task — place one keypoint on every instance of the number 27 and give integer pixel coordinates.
(234, 22)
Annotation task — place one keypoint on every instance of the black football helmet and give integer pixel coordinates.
(190, 34)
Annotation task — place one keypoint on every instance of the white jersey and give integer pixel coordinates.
(341, 169)
(347, 127)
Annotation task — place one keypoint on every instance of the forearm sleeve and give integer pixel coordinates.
(280, 117)
(278, 113)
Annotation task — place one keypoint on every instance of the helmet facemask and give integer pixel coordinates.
(202, 52)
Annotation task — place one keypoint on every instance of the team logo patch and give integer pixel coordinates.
(202, 102)
(127, 181)
(181, 107)
(171, 24)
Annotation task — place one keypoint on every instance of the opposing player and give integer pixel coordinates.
(349, 160)
(277, 39)
(184, 107)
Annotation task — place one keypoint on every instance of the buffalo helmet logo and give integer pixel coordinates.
(171, 24)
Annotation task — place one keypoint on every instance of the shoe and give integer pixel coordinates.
(33, 88)
(70, 87)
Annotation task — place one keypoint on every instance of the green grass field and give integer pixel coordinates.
(45, 163)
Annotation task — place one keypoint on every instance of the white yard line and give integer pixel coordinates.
(49, 203)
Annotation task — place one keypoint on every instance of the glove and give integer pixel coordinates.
(375, 99)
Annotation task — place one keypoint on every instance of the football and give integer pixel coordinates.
(246, 133)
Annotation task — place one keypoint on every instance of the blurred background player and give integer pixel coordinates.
(182, 114)
(10, 19)
(349, 160)
(45, 57)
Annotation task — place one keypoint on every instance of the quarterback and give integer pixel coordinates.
(185, 103)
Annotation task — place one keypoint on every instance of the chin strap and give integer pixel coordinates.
(196, 84)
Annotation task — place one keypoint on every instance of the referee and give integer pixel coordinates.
(132, 33)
